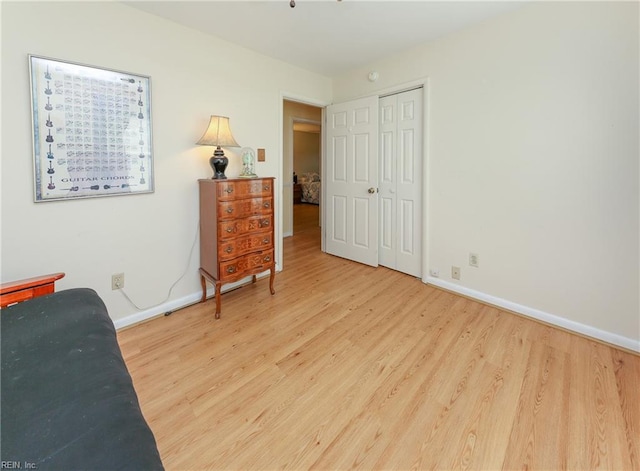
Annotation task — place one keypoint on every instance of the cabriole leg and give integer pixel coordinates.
(218, 301)
(272, 277)
(203, 283)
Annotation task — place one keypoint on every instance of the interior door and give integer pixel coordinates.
(351, 180)
(401, 182)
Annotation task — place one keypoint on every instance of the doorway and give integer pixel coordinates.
(306, 175)
(302, 163)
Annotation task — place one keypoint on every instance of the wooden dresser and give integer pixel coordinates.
(297, 193)
(236, 232)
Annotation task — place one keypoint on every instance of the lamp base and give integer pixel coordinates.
(218, 163)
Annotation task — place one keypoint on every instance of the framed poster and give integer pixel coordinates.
(91, 131)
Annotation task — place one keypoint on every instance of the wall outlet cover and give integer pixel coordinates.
(117, 281)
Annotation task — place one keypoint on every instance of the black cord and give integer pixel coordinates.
(173, 285)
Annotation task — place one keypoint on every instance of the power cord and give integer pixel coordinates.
(195, 239)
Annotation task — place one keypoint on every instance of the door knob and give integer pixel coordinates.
(371, 190)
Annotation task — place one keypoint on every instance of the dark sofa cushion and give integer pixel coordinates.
(67, 399)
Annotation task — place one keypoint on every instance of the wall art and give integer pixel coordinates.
(91, 131)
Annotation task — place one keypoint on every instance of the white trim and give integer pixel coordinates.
(583, 329)
(157, 311)
(426, 173)
(180, 303)
(323, 176)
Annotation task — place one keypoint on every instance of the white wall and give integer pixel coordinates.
(306, 152)
(533, 160)
(148, 237)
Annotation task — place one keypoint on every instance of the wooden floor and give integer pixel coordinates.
(305, 217)
(349, 366)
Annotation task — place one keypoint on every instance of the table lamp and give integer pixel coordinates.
(218, 134)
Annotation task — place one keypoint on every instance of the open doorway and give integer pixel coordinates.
(306, 175)
(302, 186)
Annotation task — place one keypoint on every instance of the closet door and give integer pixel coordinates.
(400, 182)
(351, 179)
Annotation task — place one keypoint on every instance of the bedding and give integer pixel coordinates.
(67, 399)
(310, 185)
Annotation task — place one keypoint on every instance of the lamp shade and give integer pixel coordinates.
(218, 133)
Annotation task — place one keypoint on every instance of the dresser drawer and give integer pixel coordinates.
(231, 190)
(232, 229)
(246, 265)
(245, 208)
(243, 245)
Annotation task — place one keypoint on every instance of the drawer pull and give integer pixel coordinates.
(229, 210)
(264, 223)
(231, 269)
(265, 240)
(266, 187)
(229, 230)
(229, 190)
(229, 249)
(267, 258)
(267, 204)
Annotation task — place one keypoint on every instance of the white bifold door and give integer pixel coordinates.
(373, 181)
(400, 182)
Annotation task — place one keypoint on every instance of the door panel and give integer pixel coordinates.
(352, 168)
(387, 234)
(407, 229)
(361, 228)
(362, 151)
(407, 157)
(339, 219)
(339, 161)
(386, 157)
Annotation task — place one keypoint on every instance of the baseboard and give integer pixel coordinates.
(155, 311)
(176, 304)
(582, 329)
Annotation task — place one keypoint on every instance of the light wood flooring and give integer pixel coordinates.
(305, 217)
(353, 367)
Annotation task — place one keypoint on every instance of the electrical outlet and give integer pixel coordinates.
(434, 272)
(117, 281)
(455, 273)
(474, 260)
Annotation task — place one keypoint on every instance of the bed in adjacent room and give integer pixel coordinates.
(310, 184)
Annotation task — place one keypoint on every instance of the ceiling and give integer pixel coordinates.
(328, 37)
